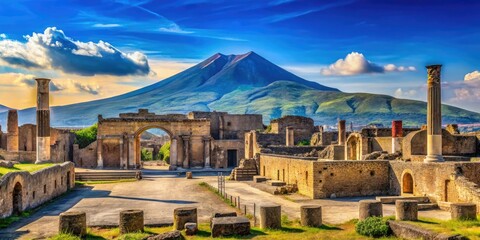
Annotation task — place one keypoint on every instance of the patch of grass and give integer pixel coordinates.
(212, 189)
(29, 167)
(86, 183)
(64, 236)
(5, 222)
(372, 227)
(469, 229)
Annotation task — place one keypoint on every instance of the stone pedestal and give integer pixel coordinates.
(369, 208)
(342, 134)
(463, 211)
(74, 223)
(434, 115)
(183, 215)
(270, 216)
(226, 226)
(311, 215)
(191, 228)
(189, 175)
(406, 210)
(131, 221)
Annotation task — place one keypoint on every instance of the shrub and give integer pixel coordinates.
(146, 155)
(304, 142)
(86, 136)
(372, 227)
(165, 152)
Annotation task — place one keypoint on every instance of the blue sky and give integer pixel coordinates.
(384, 45)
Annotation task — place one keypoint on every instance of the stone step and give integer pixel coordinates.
(445, 206)
(427, 206)
(276, 183)
(392, 199)
(259, 178)
(104, 176)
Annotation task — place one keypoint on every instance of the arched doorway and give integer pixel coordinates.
(353, 148)
(152, 144)
(407, 183)
(17, 199)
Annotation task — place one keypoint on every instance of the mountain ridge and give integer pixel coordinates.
(246, 83)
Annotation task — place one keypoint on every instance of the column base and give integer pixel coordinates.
(42, 162)
(433, 158)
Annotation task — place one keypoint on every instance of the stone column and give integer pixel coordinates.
(289, 136)
(434, 115)
(12, 131)
(342, 135)
(173, 152)
(99, 152)
(43, 120)
(397, 134)
(186, 150)
(131, 151)
(206, 151)
(122, 163)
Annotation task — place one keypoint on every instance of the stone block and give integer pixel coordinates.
(463, 211)
(74, 223)
(270, 216)
(183, 215)
(311, 215)
(6, 164)
(406, 210)
(189, 175)
(220, 215)
(172, 235)
(191, 228)
(259, 179)
(226, 226)
(276, 183)
(131, 221)
(369, 208)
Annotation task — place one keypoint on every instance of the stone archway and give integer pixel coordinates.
(407, 183)
(353, 147)
(137, 143)
(17, 199)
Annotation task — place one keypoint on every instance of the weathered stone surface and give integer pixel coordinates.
(190, 228)
(225, 226)
(220, 215)
(452, 129)
(74, 223)
(409, 231)
(258, 179)
(131, 221)
(270, 216)
(184, 215)
(463, 211)
(311, 215)
(6, 164)
(369, 208)
(189, 175)
(172, 235)
(406, 210)
(374, 155)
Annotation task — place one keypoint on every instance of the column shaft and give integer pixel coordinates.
(434, 115)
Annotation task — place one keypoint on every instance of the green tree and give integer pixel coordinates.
(146, 155)
(165, 152)
(86, 136)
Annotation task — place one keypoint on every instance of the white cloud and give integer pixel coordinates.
(174, 28)
(473, 76)
(355, 63)
(73, 86)
(52, 49)
(25, 80)
(400, 93)
(106, 25)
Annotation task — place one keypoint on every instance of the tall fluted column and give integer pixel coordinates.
(397, 134)
(173, 152)
(122, 163)
(434, 115)
(186, 154)
(206, 151)
(289, 136)
(342, 135)
(12, 131)
(43, 120)
(99, 152)
(131, 151)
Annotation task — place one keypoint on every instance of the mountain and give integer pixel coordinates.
(248, 83)
(4, 108)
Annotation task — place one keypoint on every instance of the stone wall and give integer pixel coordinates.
(220, 151)
(381, 144)
(457, 145)
(27, 137)
(24, 190)
(303, 127)
(284, 150)
(20, 156)
(85, 157)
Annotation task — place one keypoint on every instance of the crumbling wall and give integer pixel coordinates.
(36, 188)
(85, 157)
(21, 156)
(27, 137)
(303, 127)
(284, 150)
(220, 150)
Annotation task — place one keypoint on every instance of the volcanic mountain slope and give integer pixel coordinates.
(4, 108)
(248, 83)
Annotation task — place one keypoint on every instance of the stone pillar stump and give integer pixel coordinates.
(311, 215)
(270, 216)
(369, 208)
(463, 211)
(74, 223)
(189, 175)
(406, 210)
(131, 221)
(183, 215)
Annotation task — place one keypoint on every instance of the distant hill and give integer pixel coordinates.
(248, 83)
(4, 108)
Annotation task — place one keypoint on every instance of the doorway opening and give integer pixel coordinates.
(232, 158)
(17, 199)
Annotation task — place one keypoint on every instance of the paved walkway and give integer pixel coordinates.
(157, 196)
(334, 211)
